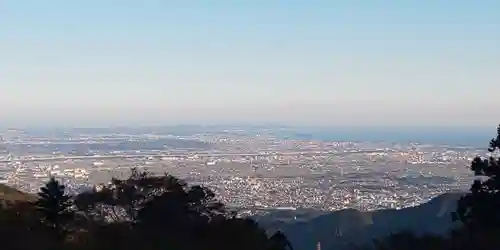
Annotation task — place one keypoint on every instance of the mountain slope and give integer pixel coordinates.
(10, 195)
(344, 228)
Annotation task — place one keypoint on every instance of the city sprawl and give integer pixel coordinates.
(255, 171)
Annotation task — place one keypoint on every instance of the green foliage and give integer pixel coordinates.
(54, 207)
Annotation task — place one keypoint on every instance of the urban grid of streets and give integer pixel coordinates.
(255, 172)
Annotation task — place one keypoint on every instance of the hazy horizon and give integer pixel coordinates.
(453, 136)
(306, 63)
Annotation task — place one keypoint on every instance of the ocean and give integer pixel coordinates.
(436, 136)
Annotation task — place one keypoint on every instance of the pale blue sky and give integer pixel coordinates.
(99, 62)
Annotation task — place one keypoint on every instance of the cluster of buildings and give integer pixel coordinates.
(264, 172)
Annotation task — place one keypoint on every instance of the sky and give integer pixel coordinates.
(334, 63)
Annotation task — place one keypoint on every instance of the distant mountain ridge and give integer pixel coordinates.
(344, 228)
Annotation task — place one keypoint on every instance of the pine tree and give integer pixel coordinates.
(479, 209)
(54, 207)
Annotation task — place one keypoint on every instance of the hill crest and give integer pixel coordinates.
(341, 229)
(9, 195)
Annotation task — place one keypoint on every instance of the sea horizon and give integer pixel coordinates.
(472, 136)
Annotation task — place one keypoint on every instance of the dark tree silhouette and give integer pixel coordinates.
(280, 242)
(236, 233)
(121, 200)
(409, 241)
(163, 212)
(54, 207)
(479, 210)
(20, 228)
